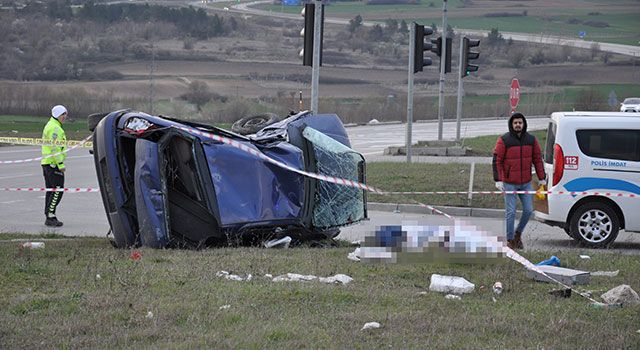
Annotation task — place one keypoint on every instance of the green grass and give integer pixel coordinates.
(52, 297)
(31, 126)
(426, 177)
(624, 27)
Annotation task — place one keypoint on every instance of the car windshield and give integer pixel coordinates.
(632, 101)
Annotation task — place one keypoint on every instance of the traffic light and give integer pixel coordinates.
(468, 55)
(420, 47)
(436, 47)
(308, 12)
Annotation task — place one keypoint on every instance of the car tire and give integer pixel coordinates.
(594, 225)
(567, 230)
(94, 119)
(252, 124)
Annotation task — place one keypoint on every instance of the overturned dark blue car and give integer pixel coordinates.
(168, 183)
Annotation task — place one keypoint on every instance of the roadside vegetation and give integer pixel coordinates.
(83, 293)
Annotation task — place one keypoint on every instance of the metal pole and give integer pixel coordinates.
(443, 59)
(317, 41)
(472, 172)
(412, 39)
(459, 102)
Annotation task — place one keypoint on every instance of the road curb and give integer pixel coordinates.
(453, 211)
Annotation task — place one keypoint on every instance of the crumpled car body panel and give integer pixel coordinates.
(162, 186)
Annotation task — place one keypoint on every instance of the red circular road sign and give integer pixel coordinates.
(514, 94)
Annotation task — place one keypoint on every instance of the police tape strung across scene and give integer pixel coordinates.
(42, 189)
(79, 144)
(43, 142)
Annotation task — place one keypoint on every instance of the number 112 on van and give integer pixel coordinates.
(571, 162)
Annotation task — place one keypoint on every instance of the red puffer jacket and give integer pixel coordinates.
(513, 157)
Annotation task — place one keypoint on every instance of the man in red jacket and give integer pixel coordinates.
(512, 158)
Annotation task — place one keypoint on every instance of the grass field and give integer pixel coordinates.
(53, 298)
(559, 19)
(31, 126)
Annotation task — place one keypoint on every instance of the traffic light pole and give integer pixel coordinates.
(317, 42)
(443, 59)
(412, 39)
(459, 102)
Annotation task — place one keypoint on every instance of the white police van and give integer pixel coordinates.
(593, 152)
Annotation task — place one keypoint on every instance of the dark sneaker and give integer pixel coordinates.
(53, 222)
(511, 243)
(518, 240)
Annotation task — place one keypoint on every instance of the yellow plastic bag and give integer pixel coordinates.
(539, 193)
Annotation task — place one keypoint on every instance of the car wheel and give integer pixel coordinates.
(595, 225)
(252, 124)
(94, 119)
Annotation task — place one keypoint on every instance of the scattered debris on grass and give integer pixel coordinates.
(564, 275)
(606, 273)
(354, 256)
(32, 245)
(294, 277)
(497, 288)
(135, 255)
(278, 243)
(371, 325)
(562, 292)
(622, 294)
(149, 314)
(552, 261)
(585, 257)
(452, 297)
(450, 284)
(224, 307)
(232, 277)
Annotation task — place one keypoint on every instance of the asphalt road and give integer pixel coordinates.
(83, 213)
(371, 140)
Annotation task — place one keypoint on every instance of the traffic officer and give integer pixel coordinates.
(53, 167)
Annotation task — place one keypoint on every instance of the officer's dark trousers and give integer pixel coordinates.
(53, 177)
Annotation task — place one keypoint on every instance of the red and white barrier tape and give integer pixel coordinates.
(80, 144)
(42, 189)
(572, 193)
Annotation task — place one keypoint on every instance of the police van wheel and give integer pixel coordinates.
(595, 225)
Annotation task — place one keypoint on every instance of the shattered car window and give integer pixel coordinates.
(335, 204)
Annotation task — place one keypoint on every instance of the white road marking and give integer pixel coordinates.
(14, 176)
(9, 202)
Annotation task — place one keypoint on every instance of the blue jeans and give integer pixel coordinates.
(510, 202)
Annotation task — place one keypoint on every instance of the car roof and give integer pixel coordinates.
(592, 116)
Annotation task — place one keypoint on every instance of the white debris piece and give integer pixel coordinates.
(232, 277)
(371, 325)
(294, 277)
(339, 278)
(452, 297)
(98, 276)
(354, 255)
(450, 284)
(622, 294)
(606, 273)
(149, 314)
(585, 257)
(278, 243)
(374, 121)
(268, 275)
(224, 307)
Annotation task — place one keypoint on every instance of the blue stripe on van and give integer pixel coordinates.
(595, 183)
